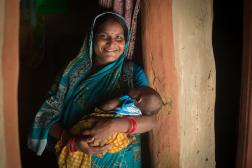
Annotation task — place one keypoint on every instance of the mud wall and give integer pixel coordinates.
(178, 58)
(2, 154)
(159, 64)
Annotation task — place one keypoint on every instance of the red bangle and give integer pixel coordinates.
(72, 145)
(133, 125)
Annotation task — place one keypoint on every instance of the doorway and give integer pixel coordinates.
(227, 45)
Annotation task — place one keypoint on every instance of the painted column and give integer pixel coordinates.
(159, 64)
(192, 25)
(178, 58)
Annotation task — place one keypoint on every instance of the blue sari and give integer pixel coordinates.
(76, 94)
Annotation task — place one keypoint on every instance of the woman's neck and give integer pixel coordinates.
(95, 67)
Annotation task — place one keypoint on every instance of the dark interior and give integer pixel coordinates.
(227, 45)
(44, 51)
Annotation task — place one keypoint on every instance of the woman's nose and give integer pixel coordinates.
(111, 41)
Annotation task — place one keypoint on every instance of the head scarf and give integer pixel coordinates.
(76, 92)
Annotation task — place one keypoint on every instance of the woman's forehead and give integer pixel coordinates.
(110, 25)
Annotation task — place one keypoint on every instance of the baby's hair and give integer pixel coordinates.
(151, 100)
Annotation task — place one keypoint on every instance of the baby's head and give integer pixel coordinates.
(147, 100)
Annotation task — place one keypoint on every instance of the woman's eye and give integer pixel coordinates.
(119, 38)
(102, 36)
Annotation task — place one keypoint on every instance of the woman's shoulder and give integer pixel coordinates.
(133, 66)
(139, 76)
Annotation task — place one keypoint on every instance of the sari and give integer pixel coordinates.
(76, 94)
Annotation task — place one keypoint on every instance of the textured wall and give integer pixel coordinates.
(2, 153)
(159, 63)
(178, 59)
(192, 25)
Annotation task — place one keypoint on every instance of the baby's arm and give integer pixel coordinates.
(110, 104)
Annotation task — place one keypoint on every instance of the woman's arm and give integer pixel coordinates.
(82, 144)
(144, 124)
(107, 127)
(140, 78)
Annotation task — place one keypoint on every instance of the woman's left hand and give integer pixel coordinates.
(101, 131)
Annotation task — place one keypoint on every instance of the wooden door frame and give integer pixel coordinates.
(9, 84)
(244, 146)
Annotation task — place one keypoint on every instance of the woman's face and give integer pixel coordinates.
(109, 42)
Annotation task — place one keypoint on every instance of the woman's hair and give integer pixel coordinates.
(113, 17)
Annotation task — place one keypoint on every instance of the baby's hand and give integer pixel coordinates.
(97, 142)
(101, 131)
(84, 146)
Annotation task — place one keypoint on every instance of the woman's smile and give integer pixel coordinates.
(110, 50)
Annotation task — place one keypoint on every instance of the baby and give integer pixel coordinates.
(139, 101)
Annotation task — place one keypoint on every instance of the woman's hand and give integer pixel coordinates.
(84, 146)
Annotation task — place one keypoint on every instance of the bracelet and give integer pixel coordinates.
(72, 145)
(133, 125)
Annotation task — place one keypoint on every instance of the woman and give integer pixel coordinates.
(95, 75)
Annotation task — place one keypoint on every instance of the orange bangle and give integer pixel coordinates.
(133, 125)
